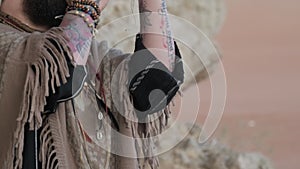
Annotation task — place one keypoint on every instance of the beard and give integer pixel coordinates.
(43, 12)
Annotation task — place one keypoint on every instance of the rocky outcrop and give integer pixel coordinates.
(188, 154)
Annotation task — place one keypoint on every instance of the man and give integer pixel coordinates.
(47, 53)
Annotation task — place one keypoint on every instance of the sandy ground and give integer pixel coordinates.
(260, 42)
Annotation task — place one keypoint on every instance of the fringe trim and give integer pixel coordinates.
(47, 149)
(155, 124)
(49, 68)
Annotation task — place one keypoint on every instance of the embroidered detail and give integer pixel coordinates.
(143, 74)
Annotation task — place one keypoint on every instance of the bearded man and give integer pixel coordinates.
(57, 90)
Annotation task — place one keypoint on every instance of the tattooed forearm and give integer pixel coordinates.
(169, 39)
(156, 30)
(145, 19)
(142, 5)
(79, 37)
(145, 15)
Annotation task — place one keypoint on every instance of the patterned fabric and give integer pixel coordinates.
(63, 141)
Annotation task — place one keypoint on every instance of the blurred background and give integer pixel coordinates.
(259, 41)
(260, 44)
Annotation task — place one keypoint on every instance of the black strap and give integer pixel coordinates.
(146, 74)
(68, 90)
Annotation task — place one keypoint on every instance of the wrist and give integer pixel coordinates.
(88, 10)
(84, 16)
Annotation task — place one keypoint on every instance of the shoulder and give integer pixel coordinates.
(9, 34)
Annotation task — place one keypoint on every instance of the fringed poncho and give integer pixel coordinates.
(30, 64)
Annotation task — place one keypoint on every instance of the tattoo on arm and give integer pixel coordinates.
(145, 14)
(158, 23)
(163, 26)
(145, 19)
(169, 41)
(79, 37)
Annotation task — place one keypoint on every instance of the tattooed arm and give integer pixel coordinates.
(79, 34)
(156, 31)
(79, 37)
(152, 65)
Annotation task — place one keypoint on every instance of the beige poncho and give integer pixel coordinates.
(26, 69)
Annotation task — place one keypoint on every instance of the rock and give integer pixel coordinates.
(252, 161)
(213, 155)
(208, 15)
(199, 53)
